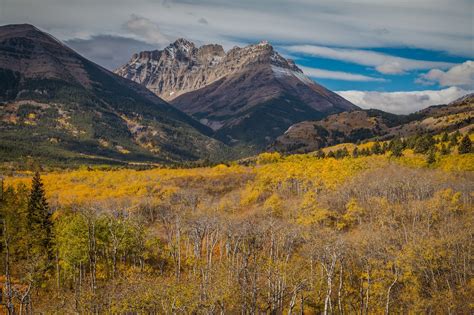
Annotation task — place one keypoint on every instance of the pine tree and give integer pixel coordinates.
(454, 138)
(342, 153)
(444, 150)
(355, 152)
(40, 227)
(424, 144)
(445, 137)
(431, 158)
(376, 148)
(465, 146)
(396, 146)
(320, 154)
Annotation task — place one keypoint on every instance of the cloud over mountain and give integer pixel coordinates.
(146, 29)
(403, 102)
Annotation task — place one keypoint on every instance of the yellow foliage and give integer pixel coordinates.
(447, 200)
(274, 205)
(459, 163)
(353, 214)
(267, 157)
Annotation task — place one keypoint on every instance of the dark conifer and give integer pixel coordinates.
(376, 148)
(454, 138)
(355, 152)
(396, 146)
(445, 137)
(431, 158)
(444, 149)
(320, 154)
(465, 146)
(39, 221)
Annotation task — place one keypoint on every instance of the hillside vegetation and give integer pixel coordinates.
(361, 125)
(384, 229)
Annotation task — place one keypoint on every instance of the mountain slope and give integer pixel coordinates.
(358, 125)
(248, 96)
(57, 105)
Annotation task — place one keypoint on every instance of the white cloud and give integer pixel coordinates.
(146, 30)
(384, 63)
(403, 102)
(461, 75)
(337, 75)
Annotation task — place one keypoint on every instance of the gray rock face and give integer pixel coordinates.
(182, 67)
(233, 91)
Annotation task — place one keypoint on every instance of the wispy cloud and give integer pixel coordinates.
(461, 75)
(436, 24)
(146, 30)
(337, 75)
(383, 63)
(403, 102)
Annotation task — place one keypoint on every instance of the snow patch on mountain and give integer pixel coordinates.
(282, 72)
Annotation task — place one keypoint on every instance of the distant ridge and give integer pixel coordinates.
(359, 125)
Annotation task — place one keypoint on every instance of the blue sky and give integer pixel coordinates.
(406, 81)
(396, 55)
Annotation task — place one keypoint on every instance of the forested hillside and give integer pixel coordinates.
(58, 108)
(380, 228)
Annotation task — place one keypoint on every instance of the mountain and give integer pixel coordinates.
(248, 96)
(359, 125)
(57, 105)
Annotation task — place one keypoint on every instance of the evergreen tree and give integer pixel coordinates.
(444, 149)
(320, 154)
(445, 137)
(376, 148)
(331, 154)
(424, 144)
(454, 138)
(40, 229)
(355, 152)
(465, 146)
(344, 153)
(396, 146)
(431, 158)
(411, 141)
(365, 152)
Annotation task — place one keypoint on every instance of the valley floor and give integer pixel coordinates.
(297, 234)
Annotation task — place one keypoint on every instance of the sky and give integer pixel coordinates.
(395, 55)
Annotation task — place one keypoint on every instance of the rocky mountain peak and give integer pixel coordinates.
(181, 48)
(183, 67)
